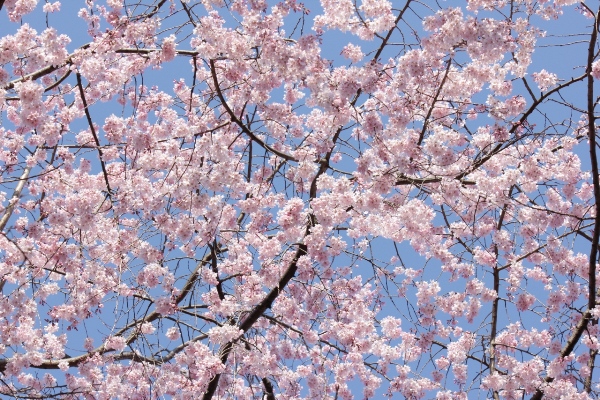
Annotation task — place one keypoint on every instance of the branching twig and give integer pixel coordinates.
(93, 130)
(239, 123)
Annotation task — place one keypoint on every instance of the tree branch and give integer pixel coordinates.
(93, 130)
(239, 123)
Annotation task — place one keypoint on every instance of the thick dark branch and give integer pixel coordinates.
(239, 123)
(35, 75)
(59, 81)
(51, 68)
(187, 287)
(93, 130)
(496, 302)
(155, 9)
(190, 53)
(387, 37)
(267, 302)
(435, 100)
(587, 385)
(269, 395)
(407, 180)
(256, 313)
(43, 71)
(215, 269)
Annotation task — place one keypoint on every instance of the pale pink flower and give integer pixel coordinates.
(63, 365)
(172, 333)
(224, 334)
(596, 69)
(353, 52)
(52, 7)
(147, 328)
(545, 79)
(115, 343)
(168, 49)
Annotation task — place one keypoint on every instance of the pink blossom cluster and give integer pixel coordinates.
(333, 199)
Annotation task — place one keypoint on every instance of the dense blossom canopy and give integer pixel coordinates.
(253, 199)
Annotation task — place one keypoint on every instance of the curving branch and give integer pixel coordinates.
(93, 130)
(239, 123)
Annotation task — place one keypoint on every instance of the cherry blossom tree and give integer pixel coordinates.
(212, 199)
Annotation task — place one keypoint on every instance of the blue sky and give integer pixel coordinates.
(550, 58)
